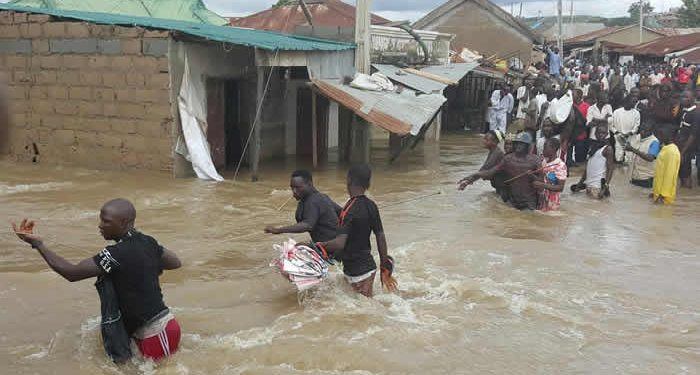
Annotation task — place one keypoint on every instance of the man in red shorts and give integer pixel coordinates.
(133, 264)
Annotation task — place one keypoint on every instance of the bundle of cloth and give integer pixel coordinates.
(303, 265)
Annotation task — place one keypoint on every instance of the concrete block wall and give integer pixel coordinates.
(89, 95)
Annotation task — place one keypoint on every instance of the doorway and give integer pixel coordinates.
(305, 124)
(224, 123)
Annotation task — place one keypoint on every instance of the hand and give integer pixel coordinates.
(272, 230)
(25, 232)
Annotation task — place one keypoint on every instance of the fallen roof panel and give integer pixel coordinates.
(251, 38)
(453, 72)
(413, 81)
(400, 113)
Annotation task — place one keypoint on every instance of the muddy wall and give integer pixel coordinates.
(89, 95)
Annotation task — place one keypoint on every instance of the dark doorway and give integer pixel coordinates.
(305, 124)
(223, 123)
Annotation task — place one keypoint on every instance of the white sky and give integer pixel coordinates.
(414, 9)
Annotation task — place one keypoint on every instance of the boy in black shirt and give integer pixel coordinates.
(134, 264)
(316, 212)
(358, 219)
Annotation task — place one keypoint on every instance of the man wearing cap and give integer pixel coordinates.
(521, 169)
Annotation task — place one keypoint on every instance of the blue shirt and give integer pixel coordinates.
(654, 149)
(554, 63)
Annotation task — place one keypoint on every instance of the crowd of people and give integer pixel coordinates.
(642, 116)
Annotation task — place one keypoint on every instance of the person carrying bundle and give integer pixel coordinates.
(357, 221)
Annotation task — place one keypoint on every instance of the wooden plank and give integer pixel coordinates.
(431, 76)
(256, 141)
(314, 128)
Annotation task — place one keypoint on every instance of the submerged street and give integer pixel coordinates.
(599, 287)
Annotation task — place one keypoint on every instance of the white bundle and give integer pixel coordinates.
(375, 82)
(559, 110)
(300, 264)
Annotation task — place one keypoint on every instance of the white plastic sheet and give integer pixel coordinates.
(193, 119)
(300, 264)
(559, 111)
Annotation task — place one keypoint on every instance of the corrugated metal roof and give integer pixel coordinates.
(182, 10)
(400, 113)
(245, 37)
(424, 85)
(692, 57)
(665, 45)
(454, 72)
(327, 13)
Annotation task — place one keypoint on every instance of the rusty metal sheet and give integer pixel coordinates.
(400, 113)
(424, 85)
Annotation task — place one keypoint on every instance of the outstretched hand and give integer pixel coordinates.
(25, 232)
(272, 230)
(463, 183)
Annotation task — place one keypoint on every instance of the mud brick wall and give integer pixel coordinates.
(89, 95)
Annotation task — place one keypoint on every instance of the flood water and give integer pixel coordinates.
(599, 288)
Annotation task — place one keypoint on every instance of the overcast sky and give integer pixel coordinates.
(414, 9)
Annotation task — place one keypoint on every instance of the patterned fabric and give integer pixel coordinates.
(553, 171)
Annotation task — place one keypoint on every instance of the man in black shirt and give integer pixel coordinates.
(133, 264)
(316, 212)
(357, 221)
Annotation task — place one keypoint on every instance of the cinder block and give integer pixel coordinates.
(6, 17)
(80, 93)
(69, 77)
(57, 92)
(113, 80)
(158, 81)
(155, 47)
(50, 61)
(136, 142)
(18, 92)
(79, 45)
(156, 33)
(20, 17)
(39, 18)
(109, 46)
(136, 79)
(38, 92)
(96, 62)
(53, 122)
(97, 125)
(75, 61)
(45, 77)
(131, 110)
(43, 107)
(122, 63)
(65, 107)
(30, 30)
(77, 30)
(40, 46)
(128, 32)
(162, 65)
(90, 108)
(13, 61)
(21, 46)
(145, 64)
(158, 112)
(124, 126)
(22, 77)
(110, 109)
(54, 29)
(101, 31)
(131, 46)
(90, 78)
(65, 137)
(9, 31)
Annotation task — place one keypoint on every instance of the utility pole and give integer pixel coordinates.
(641, 21)
(520, 15)
(560, 42)
(362, 40)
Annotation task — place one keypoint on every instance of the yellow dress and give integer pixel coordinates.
(666, 174)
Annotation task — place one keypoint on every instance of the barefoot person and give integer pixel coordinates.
(358, 220)
(316, 212)
(133, 264)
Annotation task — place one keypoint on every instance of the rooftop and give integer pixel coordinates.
(251, 38)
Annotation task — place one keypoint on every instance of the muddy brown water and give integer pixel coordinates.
(599, 288)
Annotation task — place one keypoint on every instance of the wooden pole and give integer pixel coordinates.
(362, 38)
(314, 128)
(256, 142)
(560, 41)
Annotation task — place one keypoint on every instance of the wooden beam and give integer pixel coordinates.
(256, 141)
(431, 76)
(314, 128)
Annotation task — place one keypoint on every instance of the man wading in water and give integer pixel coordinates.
(316, 213)
(133, 264)
(358, 219)
(521, 169)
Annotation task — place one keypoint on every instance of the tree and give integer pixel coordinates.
(690, 13)
(634, 10)
(281, 3)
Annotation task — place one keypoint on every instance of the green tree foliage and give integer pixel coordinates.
(281, 3)
(634, 10)
(690, 13)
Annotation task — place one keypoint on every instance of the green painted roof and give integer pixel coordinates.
(181, 10)
(246, 37)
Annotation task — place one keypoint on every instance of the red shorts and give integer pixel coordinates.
(163, 344)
